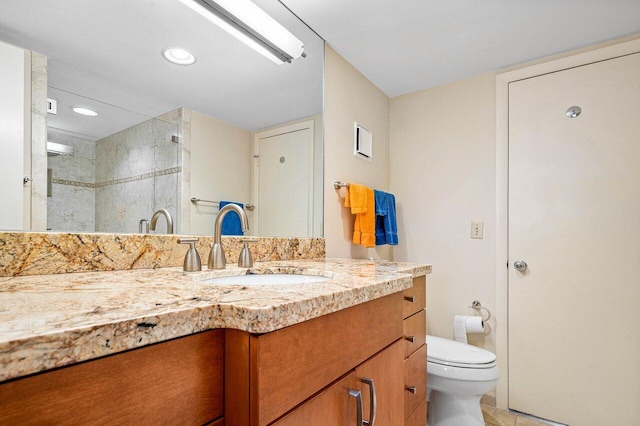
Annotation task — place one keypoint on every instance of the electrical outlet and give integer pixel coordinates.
(476, 229)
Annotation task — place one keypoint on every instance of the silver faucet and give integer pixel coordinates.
(216, 255)
(168, 218)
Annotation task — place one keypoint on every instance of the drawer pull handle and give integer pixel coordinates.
(358, 396)
(412, 389)
(410, 299)
(411, 338)
(372, 403)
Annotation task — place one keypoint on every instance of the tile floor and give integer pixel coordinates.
(496, 417)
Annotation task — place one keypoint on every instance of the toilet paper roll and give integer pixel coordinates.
(463, 324)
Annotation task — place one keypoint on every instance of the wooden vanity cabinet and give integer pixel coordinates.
(290, 366)
(415, 353)
(303, 374)
(300, 374)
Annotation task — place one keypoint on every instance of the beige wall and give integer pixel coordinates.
(220, 168)
(350, 97)
(443, 172)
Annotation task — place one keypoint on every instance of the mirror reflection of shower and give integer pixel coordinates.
(108, 170)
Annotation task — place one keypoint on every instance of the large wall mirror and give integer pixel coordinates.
(232, 127)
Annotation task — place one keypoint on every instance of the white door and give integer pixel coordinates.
(14, 194)
(283, 181)
(574, 218)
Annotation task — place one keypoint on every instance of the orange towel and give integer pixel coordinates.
(362, 202)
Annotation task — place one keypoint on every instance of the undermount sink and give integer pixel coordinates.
(267, 279)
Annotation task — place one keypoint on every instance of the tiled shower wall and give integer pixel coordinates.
(71, 203)
(137, 172)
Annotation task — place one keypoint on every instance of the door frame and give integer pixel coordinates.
(275, 131)
(597, 53)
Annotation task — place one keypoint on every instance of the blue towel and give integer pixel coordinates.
(231, 223)
(386, 224)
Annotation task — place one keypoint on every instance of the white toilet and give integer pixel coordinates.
(457, 376)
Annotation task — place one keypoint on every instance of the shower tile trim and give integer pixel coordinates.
(143, 176)
(73, 183)
(149, 175)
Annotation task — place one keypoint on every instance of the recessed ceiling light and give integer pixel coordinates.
(178, 55)
(84, 111)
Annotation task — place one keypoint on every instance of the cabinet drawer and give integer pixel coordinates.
(415, 376)
(414, 328)
(419, 416)
(415, 298)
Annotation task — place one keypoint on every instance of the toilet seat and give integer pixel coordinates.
(456, 354)
(462, 374)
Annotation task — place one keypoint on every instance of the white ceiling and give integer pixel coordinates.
(407, 45)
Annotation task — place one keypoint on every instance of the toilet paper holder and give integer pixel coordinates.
(476, 305)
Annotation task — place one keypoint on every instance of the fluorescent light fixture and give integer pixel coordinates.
(251, 25)
(178, 55)
(84, 111)
(54, 149)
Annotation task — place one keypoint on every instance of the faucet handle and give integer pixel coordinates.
(245, 260)
(143, 226)
(192, 261)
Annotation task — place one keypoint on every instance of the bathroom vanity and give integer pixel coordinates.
(176, 350)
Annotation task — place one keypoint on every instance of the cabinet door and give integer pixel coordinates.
(386, 370)
(332, 407)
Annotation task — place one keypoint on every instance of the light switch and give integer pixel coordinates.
(52, 106)
(477, 228)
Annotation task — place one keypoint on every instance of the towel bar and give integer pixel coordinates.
(337, 184)
(195, 200)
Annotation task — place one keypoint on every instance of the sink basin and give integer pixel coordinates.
(267, 279)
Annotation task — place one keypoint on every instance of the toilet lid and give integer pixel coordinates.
(445, 351)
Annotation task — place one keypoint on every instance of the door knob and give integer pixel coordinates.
(520, 265)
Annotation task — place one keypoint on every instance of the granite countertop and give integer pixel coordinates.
(48, 321)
